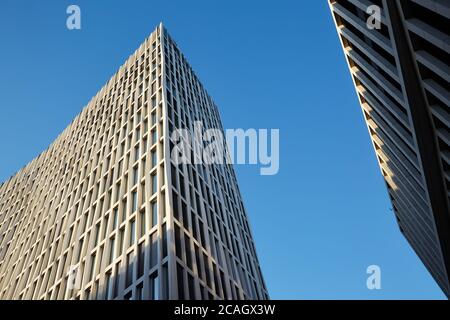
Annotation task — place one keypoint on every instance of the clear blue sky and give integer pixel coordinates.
(325, 217)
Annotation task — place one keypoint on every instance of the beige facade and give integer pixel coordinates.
(104, 213)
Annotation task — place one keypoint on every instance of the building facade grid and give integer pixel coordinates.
(104, 213)
(401, 74)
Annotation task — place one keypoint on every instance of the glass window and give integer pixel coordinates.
(142, 221)
(180, 281)
(187, 245)
(143, 165)
(164, 241)
(108, 285)
(176, 213)
(154, 136)
(141, 261)
(154, 208)
(119, 169)
(140, 292)
(191, 286)
(124, 211)
(138, 134)
(134, 201)
(129, 273)
(116, 280)
(112, 256)
(178, 242)
(165, 282)
(136, 153)
(132, 232)
(91, 271)
(145, 126)
(154, 183)
(154, 286)
(154, 158)
(135, 175)
(115, 217)
(144, 145)
(153, 249)
(97, 234)
(121, 235)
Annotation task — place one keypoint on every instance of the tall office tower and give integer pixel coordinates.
(105, 213)
(401, 74)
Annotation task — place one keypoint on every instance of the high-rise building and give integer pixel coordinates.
(401, 73)
(105, 213)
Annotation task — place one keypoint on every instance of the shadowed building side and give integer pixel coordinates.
(401, 74)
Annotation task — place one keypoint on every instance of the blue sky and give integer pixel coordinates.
(325, 217)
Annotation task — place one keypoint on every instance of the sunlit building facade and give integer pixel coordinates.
(104, 212)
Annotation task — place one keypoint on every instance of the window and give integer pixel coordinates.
(182, 191)
(154, 183)
(141, 261)
(180, 281)
(105, 226)
(140, 292)
(80, 248)
(124, 211)
(112, 256)
(191, 286)
(122, 150)
(164, 241)
(153, 249)
(97, 234)
(184, 214)
(138, 131)
(154, 136)
(154, 157)
(163, 205)
(134, 201)
(121, 235)
(143, 166)
(129, 274)
(107, 285)
(197, 261)
(154, 207)
(135, 175)
(178, 242)
(119, 168)
(176, 213)
(207, 270)
(116, 280)
(132, 232)
(115, 217)
(154, 286)
(144, 145)
(91, 271)
(165, 282)
(117, 194)
(136, 153)
(187, 245)
(142, 222)
(142, 194)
